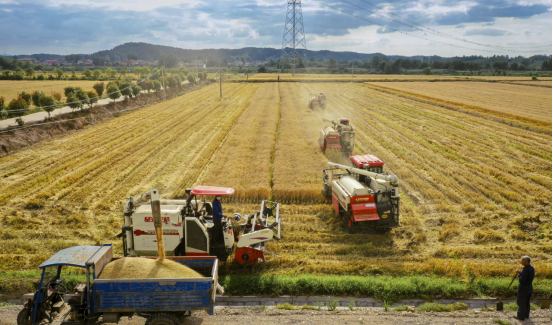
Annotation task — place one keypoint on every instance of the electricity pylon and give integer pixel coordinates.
(293, 39)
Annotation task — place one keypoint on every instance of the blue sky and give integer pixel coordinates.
(86, 26)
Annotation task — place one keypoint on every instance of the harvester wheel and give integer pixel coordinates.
(163, 319)
(24, 317)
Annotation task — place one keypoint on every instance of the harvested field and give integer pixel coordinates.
(361, 77)
(476, 193)
(71, 190)
(244, 160)
(544, 83)
(10, 88)
(298, 158)
(526, 102)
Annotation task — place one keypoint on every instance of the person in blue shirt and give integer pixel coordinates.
(217, 230)
(525, 289)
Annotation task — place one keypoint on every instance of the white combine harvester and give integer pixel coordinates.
(364, 197)
(188, 224)
(341, 136)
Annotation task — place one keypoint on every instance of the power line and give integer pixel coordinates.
(431, 31)
(442, 34)
(408, 34)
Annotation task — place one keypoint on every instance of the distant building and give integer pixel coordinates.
(35, 61)
(51, 62)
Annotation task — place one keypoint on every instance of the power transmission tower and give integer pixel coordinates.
(293, 39)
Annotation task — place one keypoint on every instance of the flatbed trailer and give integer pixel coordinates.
(165, 300)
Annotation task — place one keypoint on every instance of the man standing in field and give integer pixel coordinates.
(525, 289)
(217, 229)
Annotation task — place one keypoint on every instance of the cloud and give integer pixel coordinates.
(487, 32)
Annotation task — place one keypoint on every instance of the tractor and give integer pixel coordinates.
(341, 136)
(187, 228)
(315, 98)
(365, 197)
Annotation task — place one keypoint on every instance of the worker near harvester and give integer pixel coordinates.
(525, 289)
(217, 230)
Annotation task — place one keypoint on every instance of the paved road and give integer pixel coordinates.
(256, 315)
(40, 116)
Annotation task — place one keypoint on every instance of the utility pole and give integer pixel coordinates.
(293, 38)
(163, 80)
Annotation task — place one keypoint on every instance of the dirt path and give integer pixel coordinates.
(240, 316)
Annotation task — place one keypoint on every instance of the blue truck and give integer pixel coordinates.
(160, 301)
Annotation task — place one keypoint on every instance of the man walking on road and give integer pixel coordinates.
(525, 289)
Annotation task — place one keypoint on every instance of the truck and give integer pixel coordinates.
(365, 197)
(160, 301)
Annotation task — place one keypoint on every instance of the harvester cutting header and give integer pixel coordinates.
(341, 135)
(365, 197)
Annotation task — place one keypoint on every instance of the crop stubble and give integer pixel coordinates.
(71, 190)
(10, 88)
(526, 102)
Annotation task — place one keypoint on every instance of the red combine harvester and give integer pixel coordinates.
(187, 228)
(364, 197)
(341, 136)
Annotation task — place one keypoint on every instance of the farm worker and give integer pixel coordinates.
(217, 216)
(525, 289)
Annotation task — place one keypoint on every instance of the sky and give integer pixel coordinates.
(392, 27)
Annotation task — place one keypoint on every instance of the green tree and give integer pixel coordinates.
(427, 71)
(157, 85)
(191, 78)
(375, 61)
(59, 73)
(68, 90)
(98, 61)
(17, 106)
(73, 58)
(48, 103)
(382, 66)
(97, 74)
(126, 88)
(113, 91)
(99, 87)
(132, 56)
(19, 71)
(36, 96)
(137, 71)
(88, 73)
(3, 112)
(332, 64)
(136, 90)
(82, 96)
(73, 102)
(262, 69)
(111, 73)
(92, 98)
(224, 62)
(30, 72)
(26, 97)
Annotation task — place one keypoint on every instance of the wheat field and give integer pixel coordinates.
(361, 77)
(529, 102)
(476, 193)
(9, 89)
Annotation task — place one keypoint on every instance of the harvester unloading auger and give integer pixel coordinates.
(365, 197)
(187, 227)
(341, 136)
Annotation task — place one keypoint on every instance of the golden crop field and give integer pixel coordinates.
(10, 88)
(476, 193)
(525, 102)
(361, 77)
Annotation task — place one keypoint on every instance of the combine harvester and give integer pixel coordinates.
(189, 223)
(339, 136)
(315, 98)
(365, 197)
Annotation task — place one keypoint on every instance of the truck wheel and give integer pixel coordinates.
(163, 319)
(24, 317)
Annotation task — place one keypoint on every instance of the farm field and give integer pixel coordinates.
(10, 88)
(359, 77)
(476, 194)
(524, 102)
(544, 83)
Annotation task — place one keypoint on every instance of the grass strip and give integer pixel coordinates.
(384, 288)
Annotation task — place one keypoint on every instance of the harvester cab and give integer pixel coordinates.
(341, 136)
(364, 197)
(188, 228)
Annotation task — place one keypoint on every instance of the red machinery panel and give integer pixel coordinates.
(333, 141)
(362, 160)
(363, 208)
(365, 217)
(249, 255)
